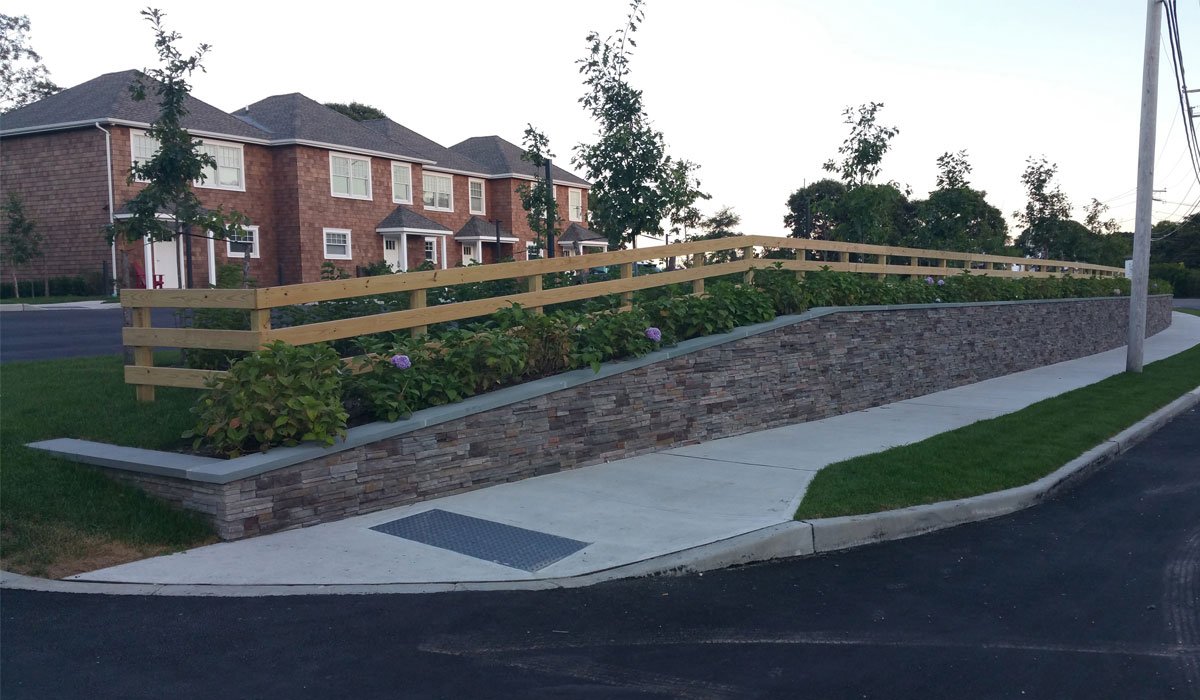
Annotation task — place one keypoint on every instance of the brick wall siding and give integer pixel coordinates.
(806, 371)
(60, 176)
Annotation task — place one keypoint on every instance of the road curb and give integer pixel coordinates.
(832, 534)
(782, 540)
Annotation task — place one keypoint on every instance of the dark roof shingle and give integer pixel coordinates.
(500, 157)
(421, 147)
(107, 97)
(575, 232)
(481, 228)
(403, 217)
(296, 117)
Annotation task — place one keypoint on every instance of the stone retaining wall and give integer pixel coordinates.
(812, 369)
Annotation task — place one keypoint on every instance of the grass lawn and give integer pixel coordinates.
(1194, 312)
(59, 518)
(55, 300)
(999, 453)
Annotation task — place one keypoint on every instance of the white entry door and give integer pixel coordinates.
(162, 269)
(391, 253)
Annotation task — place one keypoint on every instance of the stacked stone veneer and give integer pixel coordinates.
(813, 369)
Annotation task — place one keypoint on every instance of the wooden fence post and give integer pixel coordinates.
(533, 283)
(260, 322)
(416, 300)
(143, 355)
(748, 255)
(626, 297)
(698, 285)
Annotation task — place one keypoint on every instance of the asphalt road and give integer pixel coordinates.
(1091, 595)
(49, 335)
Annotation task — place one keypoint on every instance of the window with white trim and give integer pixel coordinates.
(337, 243)
(575, 204)
(476, 196)
(237, 243)
(531, 251)
(389, 244)
(431, 250)
(438, 191)
(402, 183)
(143, 148)
(350, 176)
(228, 173)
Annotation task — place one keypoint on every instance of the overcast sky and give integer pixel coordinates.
(752, 91)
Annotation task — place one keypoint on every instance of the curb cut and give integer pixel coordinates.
(782, 540)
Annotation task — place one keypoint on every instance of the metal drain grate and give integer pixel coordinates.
(517, 547)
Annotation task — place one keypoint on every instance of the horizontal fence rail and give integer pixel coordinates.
(884, 260)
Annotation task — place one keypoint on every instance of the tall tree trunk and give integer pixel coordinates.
(16, 286)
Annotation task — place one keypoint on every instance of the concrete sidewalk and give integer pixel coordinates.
(92, 304)
(632, 510)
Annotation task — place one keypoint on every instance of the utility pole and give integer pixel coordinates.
(1145, 189)
(550, 209)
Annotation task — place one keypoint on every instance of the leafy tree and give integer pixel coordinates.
(537, 199)
(1043, 220)
(863, 150)
(23, 78)
(22, 242)
(631, 173)
(357, 110)
(811, 209)
(683, 191)
(953, 170)
(875, 214)
(1093, 219)
(179, 162)
(1177, 242)
(722, 224)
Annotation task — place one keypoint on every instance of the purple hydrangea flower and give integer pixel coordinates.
(401, 361)
(654, 334)
(941, 282)
(929, 280)
(938, 300)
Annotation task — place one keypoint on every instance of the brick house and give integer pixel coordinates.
(316, 185)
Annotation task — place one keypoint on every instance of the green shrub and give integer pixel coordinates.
(547, 339)
(1185, 281)
(279, 395)
(611, 335)
(786, 292)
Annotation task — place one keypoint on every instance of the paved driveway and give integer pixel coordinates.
(48, 335)
(1090, 595)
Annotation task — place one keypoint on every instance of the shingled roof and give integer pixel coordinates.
(404, 218)
(575, 232)
(477, 228)
(412, 142)
(294, 117)
(107, 98)
(500, 157)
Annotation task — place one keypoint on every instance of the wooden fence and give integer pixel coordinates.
(259, 302)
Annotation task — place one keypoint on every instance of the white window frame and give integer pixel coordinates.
(482, 196)
(203, 184)
(351, 158)
(254, 245)
(133, 159)
(448, 176)
(408, 167)
(241, 187)
(530, 245)
(325, 244)
(432, 242)
(574, 202)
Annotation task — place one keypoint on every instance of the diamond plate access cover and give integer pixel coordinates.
(517, 547)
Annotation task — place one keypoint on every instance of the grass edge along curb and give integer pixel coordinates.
(999, 453)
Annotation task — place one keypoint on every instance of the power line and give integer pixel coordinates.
(1185, 105)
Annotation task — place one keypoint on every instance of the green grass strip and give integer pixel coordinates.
(1000, 453)
(1194, 312)
(53, 512)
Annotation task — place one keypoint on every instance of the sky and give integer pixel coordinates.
(752, 91)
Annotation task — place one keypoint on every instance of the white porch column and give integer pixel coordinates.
(212, 260)
(404, 252)
(444, 251)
